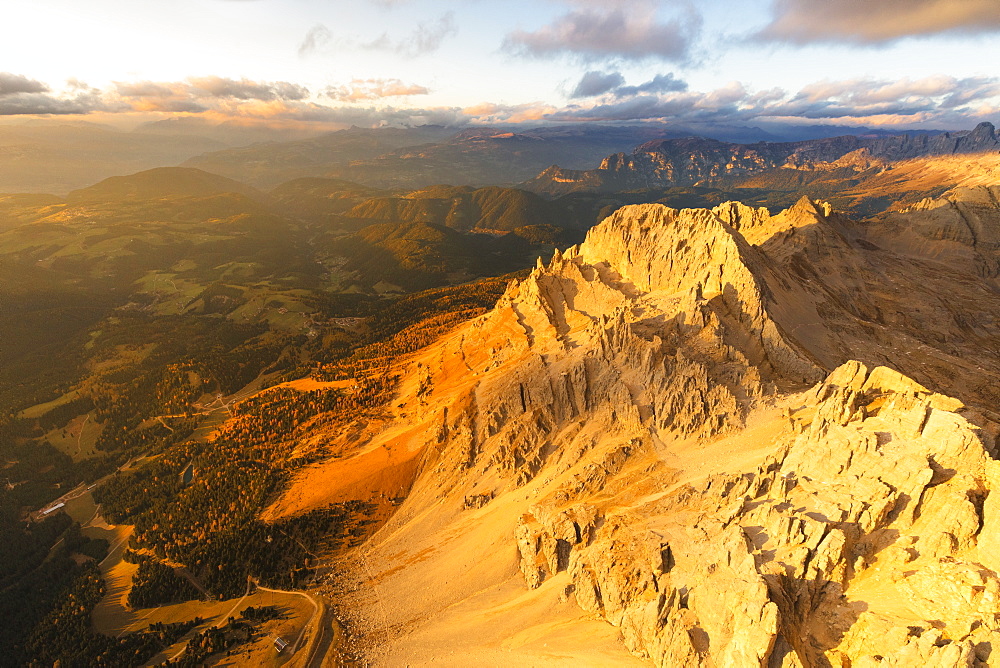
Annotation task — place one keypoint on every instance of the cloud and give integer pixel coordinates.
(425, 38)
(11, 84)
(21, 104)
(857, 98)
(39, 103)
(172, 97)
(201, 94)
(351, 115)
(317, 37)
(245, 89)
(20, 95)
(596, 83)
(147, 89)
(805, 21)
(633, 33)
(373, 89)
(931, 102)
(661, 83)
(937, 101)
(489, 112)
(940, 100)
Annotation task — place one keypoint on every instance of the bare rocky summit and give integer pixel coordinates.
(700, 438)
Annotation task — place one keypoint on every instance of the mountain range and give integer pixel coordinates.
(696, 160)
(415, 396)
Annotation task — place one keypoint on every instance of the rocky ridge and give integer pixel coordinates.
(727, 434)
(696, 160)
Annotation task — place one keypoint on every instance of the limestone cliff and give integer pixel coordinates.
(722, 437)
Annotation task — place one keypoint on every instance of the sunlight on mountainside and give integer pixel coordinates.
(427, 332)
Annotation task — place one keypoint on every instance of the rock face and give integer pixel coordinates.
(738, 439)
(691, 160)
(871, 506)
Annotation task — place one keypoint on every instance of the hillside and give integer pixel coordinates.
(465, 208)
(398, 257)
(159, 183)
(737, 438)
(115, 293)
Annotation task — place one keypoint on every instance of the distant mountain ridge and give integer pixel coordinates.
(696, 160)
(161, 182)
(413, 158)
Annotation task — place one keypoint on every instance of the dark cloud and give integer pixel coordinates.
(876, 22)
(661, 83)
(635, 33)
(11, 84)
(597, 83)
(425, 38)
(373, 89)
(15, 104)
(20, 95)
(317, 37)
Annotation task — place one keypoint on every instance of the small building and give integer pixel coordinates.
(53, 508)
(280, 644)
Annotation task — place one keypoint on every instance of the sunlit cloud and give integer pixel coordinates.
(244, 89)
(489, 112)
(197, 94)
(601, 96)
(805, 21)
(373, 89)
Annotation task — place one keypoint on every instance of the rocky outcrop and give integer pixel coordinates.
(737, 438)
(872, 506)
(966, 219)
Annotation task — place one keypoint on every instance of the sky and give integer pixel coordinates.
(335, 63)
